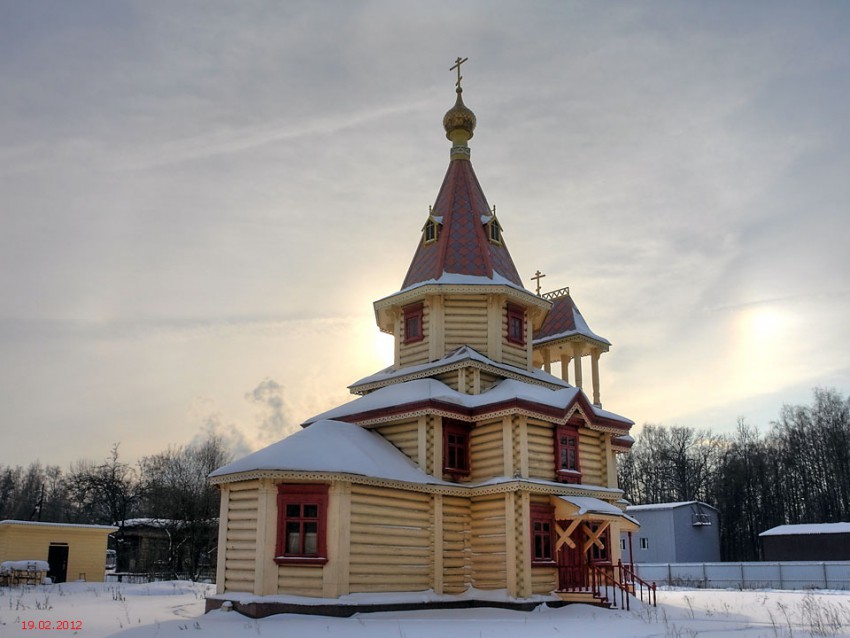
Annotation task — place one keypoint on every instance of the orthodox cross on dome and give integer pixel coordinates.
(457, 64)
(538, 276)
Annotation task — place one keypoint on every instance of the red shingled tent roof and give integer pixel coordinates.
(462, 246)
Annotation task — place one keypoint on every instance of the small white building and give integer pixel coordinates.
(683, 532)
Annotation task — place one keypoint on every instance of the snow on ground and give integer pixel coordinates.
(176, 610)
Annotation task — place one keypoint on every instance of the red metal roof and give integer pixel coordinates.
(564, 319)
(462, 246)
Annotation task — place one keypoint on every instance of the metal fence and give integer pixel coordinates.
(773, 575)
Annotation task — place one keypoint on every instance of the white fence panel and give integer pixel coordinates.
(774, 575)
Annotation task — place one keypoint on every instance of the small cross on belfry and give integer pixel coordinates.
(538, 276)
(457, 64)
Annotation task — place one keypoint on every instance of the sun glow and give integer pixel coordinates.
(762, 337)
(764, 325)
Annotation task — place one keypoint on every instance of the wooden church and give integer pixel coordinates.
(466, 466)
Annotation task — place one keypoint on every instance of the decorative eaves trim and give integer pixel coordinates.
(604, 346)
(515, 485)
(449, 367)
(472, 415)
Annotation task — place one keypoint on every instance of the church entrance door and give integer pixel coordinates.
(572, 562)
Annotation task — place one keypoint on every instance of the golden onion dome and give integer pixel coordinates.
(459, 121)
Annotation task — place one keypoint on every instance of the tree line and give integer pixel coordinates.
(797, 472)
(170, 488)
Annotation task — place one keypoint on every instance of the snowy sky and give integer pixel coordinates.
(201, 201)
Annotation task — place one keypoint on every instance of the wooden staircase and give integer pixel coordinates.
(603, 586)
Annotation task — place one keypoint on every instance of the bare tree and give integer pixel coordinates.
(178, 493)
(107, 493)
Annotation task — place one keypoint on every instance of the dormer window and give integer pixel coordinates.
(429, 232)
(494, 231)
(516, 324)
(413, 329)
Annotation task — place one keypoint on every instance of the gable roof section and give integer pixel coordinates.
(564, 320)
(463, 356)
(430, 395)
(462, 246)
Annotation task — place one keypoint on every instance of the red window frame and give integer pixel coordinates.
(567, 459)
(516, 324)
(413, 327)
(456, 448)
(542, 535)
(302, 510)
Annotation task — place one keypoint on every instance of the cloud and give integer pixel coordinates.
(231, 436)
(275, 419)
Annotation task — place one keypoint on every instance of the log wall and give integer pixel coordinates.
(300, 580)
(241, 537)
(390, 540)
(488, 543)
(544, 580)
(416, 352)
(465, 322)
(541, 450)
(592, 458)
(404, 435)
(456, 545)
(512, 353)
(486, 450)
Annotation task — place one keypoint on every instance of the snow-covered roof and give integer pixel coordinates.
(457, 279)
(813, 528)
(24, 565)
(666, 506)
(590, 505)
(150, 522)
(459, 356)
(333, 446)
(398, 395)
(42, 524)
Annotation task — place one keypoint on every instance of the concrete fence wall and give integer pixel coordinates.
(774, 575)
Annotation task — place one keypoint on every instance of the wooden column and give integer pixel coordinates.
(511, 567)
(565, 367)
(610, 462)
(438, 447)
(577, 364)
(508, 445)
(437, 562)
(397, 338)
(265, 569)
(547, 363)
(494, 327)
(422, 443)
(523, 445)
(436, 334)
(594, 370)
(335, 575)
(524, 545)
(222, 539)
